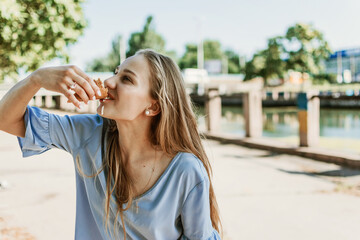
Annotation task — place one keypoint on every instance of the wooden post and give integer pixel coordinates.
(38, 101)
(275, 95)
(213, 110)
(286, 96)
(48, 101)
(309, 119)
(252, 105)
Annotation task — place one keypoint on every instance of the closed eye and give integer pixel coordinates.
(126, 79)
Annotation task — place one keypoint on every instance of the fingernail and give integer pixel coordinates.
(93, 98)
(81, 105)
(98, 93)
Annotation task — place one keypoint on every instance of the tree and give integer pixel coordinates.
(212, 50)
(148, 38)
(267, 63)
(306, 47)
(302, 49)
(256, 66)
(108, 63)
(189, 59)
(233, 62)
(35, 31)
(274, 64)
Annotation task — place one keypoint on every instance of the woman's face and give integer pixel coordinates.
(129, 91)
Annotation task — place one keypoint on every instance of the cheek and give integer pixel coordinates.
(130, 103)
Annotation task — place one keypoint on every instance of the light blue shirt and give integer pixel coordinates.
(176, 207)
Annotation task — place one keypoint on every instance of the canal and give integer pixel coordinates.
(339, 128)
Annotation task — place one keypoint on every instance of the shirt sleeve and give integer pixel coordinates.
(44, 131)
(195, 215)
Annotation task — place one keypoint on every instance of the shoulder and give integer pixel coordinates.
(191, 169)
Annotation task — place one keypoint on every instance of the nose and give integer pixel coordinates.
(110, 83)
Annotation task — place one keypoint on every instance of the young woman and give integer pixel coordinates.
(140, 162)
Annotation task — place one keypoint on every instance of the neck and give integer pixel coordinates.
(134, 140)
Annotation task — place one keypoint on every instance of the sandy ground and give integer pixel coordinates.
(261, 195)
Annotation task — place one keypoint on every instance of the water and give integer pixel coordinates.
(283, 122)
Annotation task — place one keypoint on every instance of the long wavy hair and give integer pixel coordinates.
(174, 130)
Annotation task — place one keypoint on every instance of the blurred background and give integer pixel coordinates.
(293, 47)
(288, 44)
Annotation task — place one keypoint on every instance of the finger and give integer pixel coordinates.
(74, 89)
(84, 84)
(71, 73)
(81, 93)
(90, 80)
(70, 84)
(70, 96)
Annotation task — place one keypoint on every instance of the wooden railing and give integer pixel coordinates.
(252, 95)
(53, 100)
(308, 104)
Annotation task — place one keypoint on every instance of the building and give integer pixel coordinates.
(345, 64)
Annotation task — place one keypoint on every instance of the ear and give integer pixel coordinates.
(154, 109)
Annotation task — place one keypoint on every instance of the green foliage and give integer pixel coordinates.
(256, 66)
(267, 63)
(108, 63)
(303, 47)
(147, 38)
(212, 50)
(233, 62)
(189, 59)
(306, 48)
(35, 31)
(275, 66)
(323, 78)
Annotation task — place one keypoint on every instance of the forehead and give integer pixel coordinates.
(137, 64)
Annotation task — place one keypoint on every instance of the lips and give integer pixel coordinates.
(108, 98)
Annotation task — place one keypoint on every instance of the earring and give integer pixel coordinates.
(147, 112)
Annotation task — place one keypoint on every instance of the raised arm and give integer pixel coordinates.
(57, 79)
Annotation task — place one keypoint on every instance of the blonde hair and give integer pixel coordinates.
(174, 130)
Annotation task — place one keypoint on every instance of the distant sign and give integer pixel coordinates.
(213, 66)
(346, 53)
(193, 75)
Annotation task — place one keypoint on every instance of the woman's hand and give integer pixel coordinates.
(67, 80)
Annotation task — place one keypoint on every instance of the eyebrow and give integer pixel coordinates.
(129, 71)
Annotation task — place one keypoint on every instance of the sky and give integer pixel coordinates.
(243, 25)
